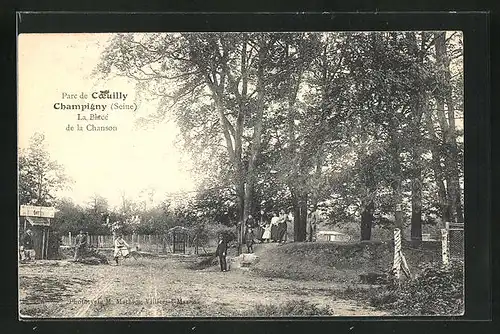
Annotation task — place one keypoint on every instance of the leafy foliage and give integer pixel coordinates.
(39, 177)
(358, 124)
(435, 291)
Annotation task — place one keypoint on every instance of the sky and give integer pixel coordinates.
(107, 163)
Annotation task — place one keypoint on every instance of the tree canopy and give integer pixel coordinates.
(362, 125)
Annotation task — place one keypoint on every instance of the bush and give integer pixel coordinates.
(292, 308)
(435, 291)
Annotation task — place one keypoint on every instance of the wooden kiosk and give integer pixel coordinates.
(37, 219)
(179, 236)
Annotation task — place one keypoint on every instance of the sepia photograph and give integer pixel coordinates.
(240, 174)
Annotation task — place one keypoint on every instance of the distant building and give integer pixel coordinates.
(332, 236)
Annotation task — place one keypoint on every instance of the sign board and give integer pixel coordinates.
(37, 211)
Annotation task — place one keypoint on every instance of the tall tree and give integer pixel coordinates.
(446, 120)
(39, 177)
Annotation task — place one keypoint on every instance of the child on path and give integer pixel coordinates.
(267, 233)
(249, 236)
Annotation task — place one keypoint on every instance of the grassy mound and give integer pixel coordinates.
(203, 261)
(340, 262)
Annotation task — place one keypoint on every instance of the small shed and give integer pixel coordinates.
(332, 236)
(37, 219)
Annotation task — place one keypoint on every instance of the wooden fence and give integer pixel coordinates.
(147, 243)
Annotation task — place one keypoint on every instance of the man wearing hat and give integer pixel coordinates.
(221, 252)
(27, 246)
(80, 245)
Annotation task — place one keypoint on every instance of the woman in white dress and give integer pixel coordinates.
(121, 248)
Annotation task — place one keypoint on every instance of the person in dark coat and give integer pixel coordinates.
(250, 222)
(249, 236)
(27, 246)
(221, 252)
(282, 227)
(312, 225)
(259, 230)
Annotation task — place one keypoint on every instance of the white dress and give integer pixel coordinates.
(267, 232)
(121, 248)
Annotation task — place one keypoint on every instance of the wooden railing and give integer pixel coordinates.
(148, 243)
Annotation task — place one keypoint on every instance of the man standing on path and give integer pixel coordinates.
(221, 252)
(312, 223)
(80, 245)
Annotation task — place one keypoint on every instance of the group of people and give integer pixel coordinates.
(275, 230)
(121, 247)
(270, 231)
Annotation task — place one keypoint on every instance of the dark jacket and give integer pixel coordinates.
(27, 241)
(251, 222)
(221, 249)
(249, 236)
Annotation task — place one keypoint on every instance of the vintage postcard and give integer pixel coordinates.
(241, 174)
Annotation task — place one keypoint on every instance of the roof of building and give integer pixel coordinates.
(177, 229)
(330, 232)
(38, 221)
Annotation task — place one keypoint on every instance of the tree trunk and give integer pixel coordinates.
(367, 221)
(416, 206)
(296, 217)
(453, 159)
(450, 190)
(241, 200)
(368, 205)
(436, 167)
(240, 123)
(419, 111)
(302, 222)
(397, 182)
(257, 136)
(416, 186)
(447, 122)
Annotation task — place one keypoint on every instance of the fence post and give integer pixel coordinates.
(444, 246)
(397, 253)
(69, 237)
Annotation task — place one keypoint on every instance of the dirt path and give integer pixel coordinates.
(162, 287)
